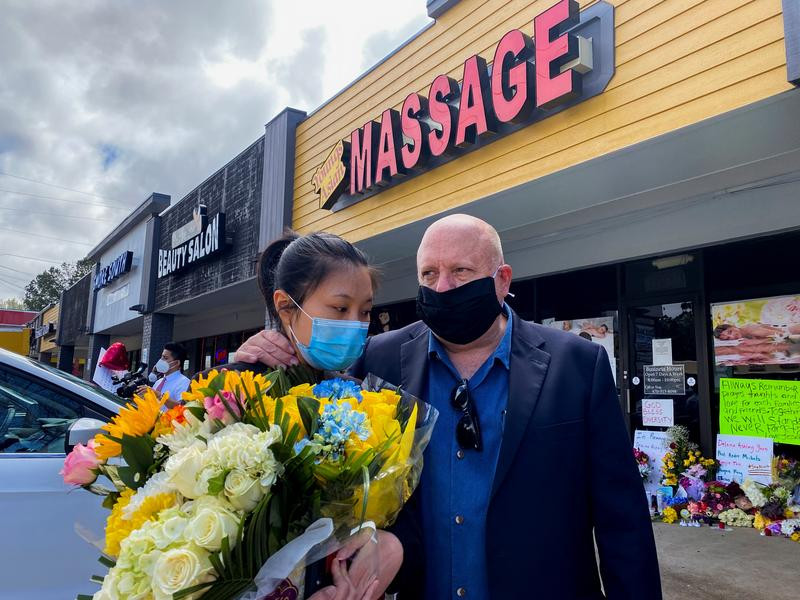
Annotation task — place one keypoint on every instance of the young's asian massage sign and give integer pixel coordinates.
(569, 59)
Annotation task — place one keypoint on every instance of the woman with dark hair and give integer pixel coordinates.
(319, 290)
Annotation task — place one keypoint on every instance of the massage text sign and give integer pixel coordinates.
(760, 408)
(569, 59)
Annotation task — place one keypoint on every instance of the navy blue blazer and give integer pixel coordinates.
(565, 471)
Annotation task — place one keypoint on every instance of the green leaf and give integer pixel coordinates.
(198, 412)
(83, 597)
(217, 484)
(309, 413)
(191, 590)
(107, 562)
(138, 455)
(110, 500)
(97, 579)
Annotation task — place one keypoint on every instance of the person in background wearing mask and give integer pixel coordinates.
(168, 375)
(528, 416)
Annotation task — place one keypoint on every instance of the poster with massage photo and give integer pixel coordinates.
(599, 330)
(764, 331)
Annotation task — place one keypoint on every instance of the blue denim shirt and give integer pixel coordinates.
(456, 483)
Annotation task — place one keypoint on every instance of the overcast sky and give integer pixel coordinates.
(122, 98)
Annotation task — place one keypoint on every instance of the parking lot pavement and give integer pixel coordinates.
(706, 563)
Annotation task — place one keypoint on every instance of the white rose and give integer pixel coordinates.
(243, 491)
(169, 532)
(148, 561)
(183, 469)
(209, 527)
(126, 584)
(178, 569)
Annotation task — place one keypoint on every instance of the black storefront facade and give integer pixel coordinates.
(204, 289)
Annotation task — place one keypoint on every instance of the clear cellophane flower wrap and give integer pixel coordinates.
(253, 480)
(400, 417)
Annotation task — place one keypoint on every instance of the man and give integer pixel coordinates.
(171, 380)
(530, 462)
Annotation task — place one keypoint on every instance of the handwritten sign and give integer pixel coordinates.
(664, 380)
(658, 412)
(655, 444)
(760, 408)
(743, 458)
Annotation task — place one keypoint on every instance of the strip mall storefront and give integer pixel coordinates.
(120, 287)
(640, 160)
(204, 260)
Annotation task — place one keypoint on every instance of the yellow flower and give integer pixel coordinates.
(135, 421)
(788, 513)
(389, 489)
(384, 428)
(686, 463)
(669, 515)
(118, 527)
(289, 408)
(796, 536)
(304, 389)
(193, 394)
(760, 522)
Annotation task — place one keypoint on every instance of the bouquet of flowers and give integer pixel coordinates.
(684, 465)
(233, 493)
(787, 472)
(716, 498)
(643, 462)
(736, 517)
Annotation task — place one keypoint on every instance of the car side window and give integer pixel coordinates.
(34, 417)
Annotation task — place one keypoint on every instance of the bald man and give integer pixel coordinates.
(530, 462)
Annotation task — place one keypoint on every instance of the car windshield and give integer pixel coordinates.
(92, 388)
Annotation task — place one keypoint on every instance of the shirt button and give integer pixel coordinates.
(461, 592)
(460, 454)
(459, 519)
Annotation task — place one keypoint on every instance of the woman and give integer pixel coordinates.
(319, 290)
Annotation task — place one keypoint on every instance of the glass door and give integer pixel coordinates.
(662, 373)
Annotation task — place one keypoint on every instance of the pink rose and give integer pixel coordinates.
(80, 466)
(217, 409)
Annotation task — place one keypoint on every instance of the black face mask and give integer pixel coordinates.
(460, 315)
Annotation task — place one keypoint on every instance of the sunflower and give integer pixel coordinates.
(118, 527)
(134, 421)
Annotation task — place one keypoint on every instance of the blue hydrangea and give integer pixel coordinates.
(336, 424)
(337, 388)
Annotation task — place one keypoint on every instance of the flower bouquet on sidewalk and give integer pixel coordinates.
(234, 493)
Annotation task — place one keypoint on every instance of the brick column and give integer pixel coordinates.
(96, 341)
(157, 332)
(66, 356)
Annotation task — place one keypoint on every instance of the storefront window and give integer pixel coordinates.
(754, 330)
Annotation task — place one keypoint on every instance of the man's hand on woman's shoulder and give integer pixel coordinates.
(268, 347)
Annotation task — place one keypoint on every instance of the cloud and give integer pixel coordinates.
(382, 43)
(304, 70)
(121, 99)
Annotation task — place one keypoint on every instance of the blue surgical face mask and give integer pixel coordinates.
(334, 344)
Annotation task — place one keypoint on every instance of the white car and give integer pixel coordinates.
(42, 410)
